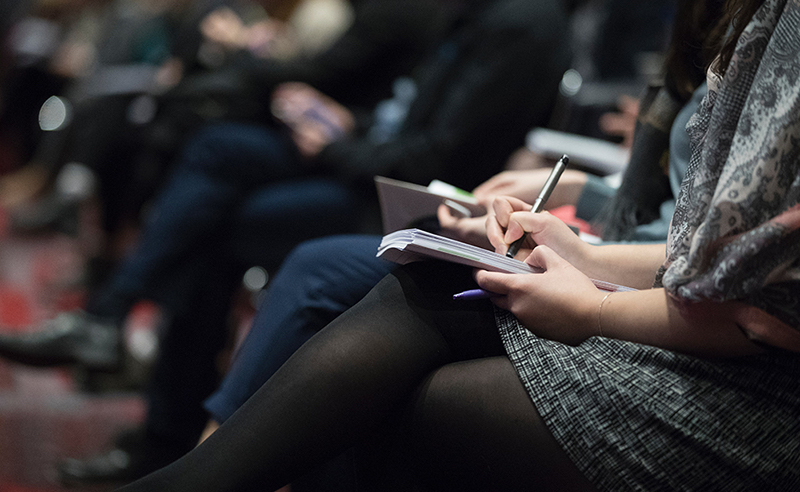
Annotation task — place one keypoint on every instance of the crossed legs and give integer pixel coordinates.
(406, 346)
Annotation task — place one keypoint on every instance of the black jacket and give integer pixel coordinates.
(494, 77)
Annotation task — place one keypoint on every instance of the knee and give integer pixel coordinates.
(469, 389)
(204, 151)
(337, 271)
(220, 148)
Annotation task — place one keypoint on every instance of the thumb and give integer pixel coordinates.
(544, 257)
(495, 282)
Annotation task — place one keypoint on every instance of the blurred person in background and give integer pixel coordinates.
(247, 187)
(121, 126)
(386, 36)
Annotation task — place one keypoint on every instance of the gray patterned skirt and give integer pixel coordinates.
(635, 417)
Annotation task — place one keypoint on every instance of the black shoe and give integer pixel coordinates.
(134, 456)
(70, 338)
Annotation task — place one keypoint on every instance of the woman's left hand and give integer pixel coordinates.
(560, 304)
(471, 230)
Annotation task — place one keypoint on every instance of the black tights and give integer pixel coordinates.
(406, 347)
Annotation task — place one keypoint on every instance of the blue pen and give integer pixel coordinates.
(473, 294)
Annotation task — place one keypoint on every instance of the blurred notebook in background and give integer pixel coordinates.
(598, 156)
(406, 205)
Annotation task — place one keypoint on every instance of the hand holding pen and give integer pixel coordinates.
(538, 205)
(500, 230)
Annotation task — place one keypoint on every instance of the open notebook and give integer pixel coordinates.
(407, 245)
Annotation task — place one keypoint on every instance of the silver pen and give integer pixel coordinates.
(538, 205)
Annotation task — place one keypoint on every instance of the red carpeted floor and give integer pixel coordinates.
(47, 414)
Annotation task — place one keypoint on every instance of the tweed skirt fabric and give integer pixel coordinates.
(635, 417)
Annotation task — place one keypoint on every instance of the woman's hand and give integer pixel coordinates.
(471, 230)
(526, 185)
(512, 219)
(559, 304)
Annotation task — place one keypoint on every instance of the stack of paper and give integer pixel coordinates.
(408, 245)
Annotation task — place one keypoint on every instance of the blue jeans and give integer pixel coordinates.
(234, 185)
(319, 280)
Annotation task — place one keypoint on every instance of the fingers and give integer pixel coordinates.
(514, 216)
(310, 139)
(545, 258)
(493, 186)
(504, 206)
(535, 225)
(628, 104)
(498, 283)
(497, 223)
(495, 234)
(446, 219)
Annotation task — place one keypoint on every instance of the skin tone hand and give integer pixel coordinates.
(315, 119)
(623, 122)
(562, 304)
(512, 219)
(471, 230)
(225, 27)
(559, 304)
(632, 265)
(524, 159)
(527, 184)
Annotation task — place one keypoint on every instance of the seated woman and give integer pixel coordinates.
(690, 384)
(324, 277)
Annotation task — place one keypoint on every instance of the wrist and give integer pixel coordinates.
(589, 316)
(582, 257)
(603, 301)
(568, 191)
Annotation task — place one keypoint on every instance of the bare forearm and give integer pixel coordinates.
(567, 192)
(651, 317)
(632, 265)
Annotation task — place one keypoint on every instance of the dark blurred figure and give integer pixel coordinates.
(44, 49)
(245, 194)
(97, 124)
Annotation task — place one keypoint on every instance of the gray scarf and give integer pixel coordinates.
(736, 229)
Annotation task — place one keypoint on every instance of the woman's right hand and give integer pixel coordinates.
(512, 219)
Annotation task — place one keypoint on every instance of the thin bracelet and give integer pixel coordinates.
(600, 312)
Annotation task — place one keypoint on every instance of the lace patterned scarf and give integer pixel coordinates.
(735, 234)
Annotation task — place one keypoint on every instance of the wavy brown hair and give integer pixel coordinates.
(738, 14)
(704, 35)
(689, 52)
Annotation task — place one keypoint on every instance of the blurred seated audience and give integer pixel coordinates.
(475, 95)
(124, 126)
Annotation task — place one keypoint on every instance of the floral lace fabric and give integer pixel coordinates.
(736, 230)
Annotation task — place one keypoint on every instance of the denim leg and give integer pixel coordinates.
(318, 281)
(266, 226)
(276, 218)
(221, 165)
